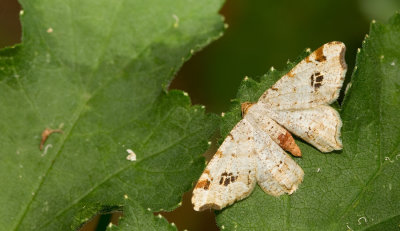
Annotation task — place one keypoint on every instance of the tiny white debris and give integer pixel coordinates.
(173, 224)
(246, 78)
(209, 142)
(388, 159)
(49, 30)
(222, 114)
(226, 25)
(347, 88)
(185, 94)
(110, 225)
(358, 50)
(319, 169)
(222, 227)
(393, 63)
(180, 203)
(46, 149)
(272, 68)
(355, 67)
(349, 228)
(373, 21)
(202, 106)
(21, 12)
(148, 209)
(176, 24)
(362, 218)
(131, 156)
(125, 196)
(159, 216)
(308, 50)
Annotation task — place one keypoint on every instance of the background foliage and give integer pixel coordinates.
(260, 34)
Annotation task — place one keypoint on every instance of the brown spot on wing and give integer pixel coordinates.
(210, 206)
(319, 54)
(286, 142)
(290, 73)
(205, 184)
(341, 58)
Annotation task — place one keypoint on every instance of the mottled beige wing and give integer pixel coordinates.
(230, 175)
(276, 172)
(319, 126)
(316, 80)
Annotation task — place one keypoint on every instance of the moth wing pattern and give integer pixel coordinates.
(316, 80)
(230, 175)
(319, 126)
(276, 172)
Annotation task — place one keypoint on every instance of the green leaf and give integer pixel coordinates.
(354, 189)
(99, 70)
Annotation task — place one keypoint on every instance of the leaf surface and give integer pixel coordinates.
(99, 71)
(356, 188)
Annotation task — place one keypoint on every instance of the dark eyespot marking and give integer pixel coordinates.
(227, 178)
(316, 80)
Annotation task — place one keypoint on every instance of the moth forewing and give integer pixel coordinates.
(316, 80)
(230, 175)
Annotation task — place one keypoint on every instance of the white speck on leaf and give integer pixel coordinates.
(125, 196)
(388, 159)
(131, 156)
(49, 30)
(393, 63)
(362, 218)
(176, 24)
(319, 169)
(349, 228)
(246, 78)
(46, 149)
(21, 12)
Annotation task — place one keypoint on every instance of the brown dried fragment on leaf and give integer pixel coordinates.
(45, 135)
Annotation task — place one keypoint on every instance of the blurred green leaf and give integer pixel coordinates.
(379, 9)
(357, 188)
(98, 70)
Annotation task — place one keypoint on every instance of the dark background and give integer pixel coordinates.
(261, 34)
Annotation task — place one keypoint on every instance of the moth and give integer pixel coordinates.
(254, 151)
